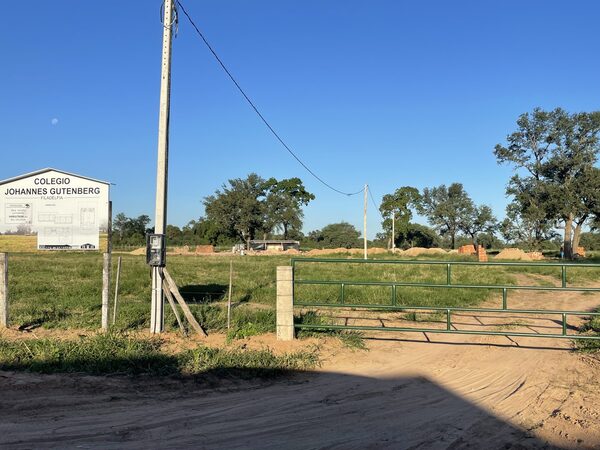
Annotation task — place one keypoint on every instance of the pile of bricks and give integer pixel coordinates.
(481, 254)
(467, 249)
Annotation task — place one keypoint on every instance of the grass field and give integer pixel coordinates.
(56, 290)
(405, 296)
(15, 243)
(63, 290)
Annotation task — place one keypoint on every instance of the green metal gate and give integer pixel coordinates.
(445, 271)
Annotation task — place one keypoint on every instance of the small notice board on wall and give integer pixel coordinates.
(64, 210)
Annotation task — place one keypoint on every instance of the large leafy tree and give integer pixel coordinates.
(247, 207)
(477, 220)
(205, 231)
(399, 207)
(528, 150)
(130, 230)
(447, 209)
(553, 154)
(284, 202)
(334, 235)
(530, 147)
(528, 218)
(521, 225)
(571, 175)
(239, 208)
(417, 235)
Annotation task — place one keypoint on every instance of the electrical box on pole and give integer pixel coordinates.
(156, 250)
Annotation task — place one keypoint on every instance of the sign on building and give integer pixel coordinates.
(66, 211)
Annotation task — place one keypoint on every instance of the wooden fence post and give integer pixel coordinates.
(4, 289)
(105, 289)
(114, 320)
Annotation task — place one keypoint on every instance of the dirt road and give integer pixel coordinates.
(400, 394)
(407, 391)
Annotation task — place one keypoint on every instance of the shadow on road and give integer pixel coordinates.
(301, 410)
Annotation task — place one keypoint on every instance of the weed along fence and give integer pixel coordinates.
(454, 297)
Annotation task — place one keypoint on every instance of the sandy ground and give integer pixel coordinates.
(408, 391)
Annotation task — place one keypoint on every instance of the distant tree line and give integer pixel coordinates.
(449, 210)
(243, 209)
(130, 230)
(555, 187)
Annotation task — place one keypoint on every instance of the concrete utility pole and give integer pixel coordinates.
(365, 219)
(160, 217)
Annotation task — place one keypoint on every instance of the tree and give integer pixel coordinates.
(416, 235)
(522, 226)
(128, 230)
(239, 208)
(555, 150)
(529, 219)
(528, 151)
(174, 235)
(398, 207)
(489, 241)
(476, 220)
(120, 225)
(534, 141)
(336, 235)
(284, 202)
(571, 175)
(590, 241)
(447, 209)
(205, 231)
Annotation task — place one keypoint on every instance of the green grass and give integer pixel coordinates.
(350, 338)
(63, 290)
(244, 363)
(576, 276)
(405, 296)
(116, 353)
(591, 326)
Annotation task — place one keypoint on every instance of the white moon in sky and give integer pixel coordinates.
(54, 121)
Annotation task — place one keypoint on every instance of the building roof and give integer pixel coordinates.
(48, 169)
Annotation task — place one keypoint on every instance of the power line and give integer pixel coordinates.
(254, 107)
(375, 204)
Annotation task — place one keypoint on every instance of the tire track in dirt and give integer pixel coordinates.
(404, 392)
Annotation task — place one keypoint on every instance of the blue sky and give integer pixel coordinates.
(388, 93)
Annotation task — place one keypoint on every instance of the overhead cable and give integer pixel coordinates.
(254, 107)
(374, 203)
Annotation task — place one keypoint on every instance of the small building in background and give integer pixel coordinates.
(274, 245)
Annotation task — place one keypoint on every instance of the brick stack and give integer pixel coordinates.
(467, 250)
(481, 254)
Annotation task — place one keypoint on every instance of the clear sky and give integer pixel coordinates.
(388, 93)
